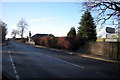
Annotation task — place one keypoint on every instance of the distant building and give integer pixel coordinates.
(42, 35)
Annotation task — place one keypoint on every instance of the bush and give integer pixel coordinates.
(68, 43)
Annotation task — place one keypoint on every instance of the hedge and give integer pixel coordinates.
(69, 43)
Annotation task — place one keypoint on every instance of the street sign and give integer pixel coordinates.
(111, 40)
(110, 30)
(112, 35)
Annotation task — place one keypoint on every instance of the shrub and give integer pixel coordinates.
(69, 43)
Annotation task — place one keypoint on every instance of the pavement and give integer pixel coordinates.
(91, 56)
(99, 58)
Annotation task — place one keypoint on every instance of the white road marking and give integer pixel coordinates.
(66, 62)
(70, 53)
(12, 64)
(15, 71)
(13, 67)
(17, 76)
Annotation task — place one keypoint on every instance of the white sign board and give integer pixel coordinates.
(110, 30)
(111, 40)
(112, 35)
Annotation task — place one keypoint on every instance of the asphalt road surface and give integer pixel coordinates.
(22, 61)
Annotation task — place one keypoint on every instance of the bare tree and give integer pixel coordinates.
(14, 33)
(22, 26)
(105, 9)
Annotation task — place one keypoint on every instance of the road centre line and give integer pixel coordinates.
(66, 62)
(17, 76)
(98, 72)
(15, 71)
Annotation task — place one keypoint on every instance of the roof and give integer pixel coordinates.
(42, 35)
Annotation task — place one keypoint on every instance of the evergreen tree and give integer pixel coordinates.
(87, 28)
(72, 32)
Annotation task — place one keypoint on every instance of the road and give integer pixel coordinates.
(22, 61)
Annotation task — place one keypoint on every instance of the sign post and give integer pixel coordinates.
(111, 36)
(110, 30)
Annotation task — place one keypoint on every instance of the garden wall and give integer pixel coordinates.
(105, 49)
